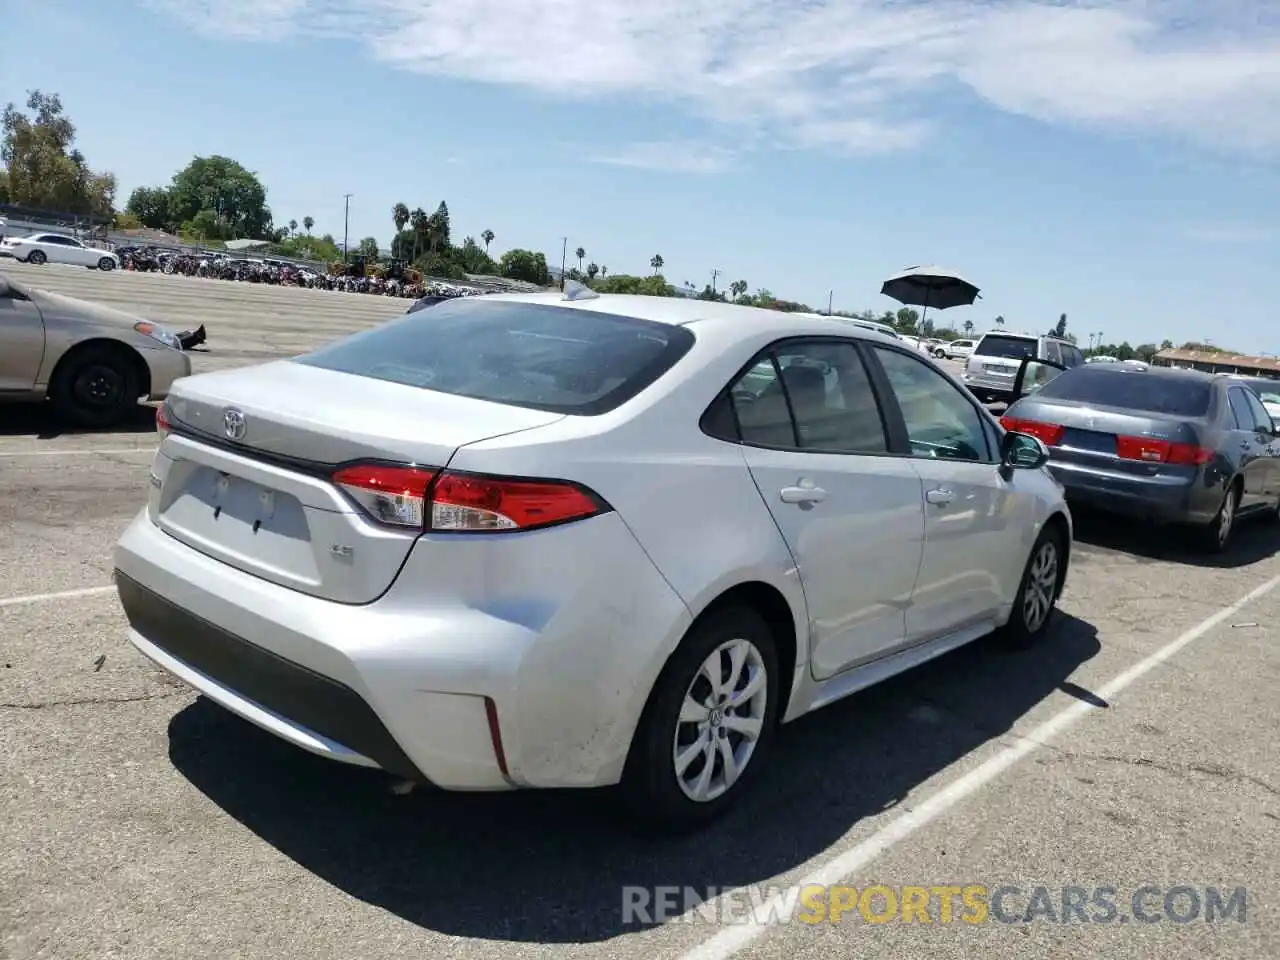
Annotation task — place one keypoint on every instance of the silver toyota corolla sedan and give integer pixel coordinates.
(534, 541)
(94, 363)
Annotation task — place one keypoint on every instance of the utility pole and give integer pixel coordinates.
(346, 221)
(564, 250)
(830, 297)
(714, 275)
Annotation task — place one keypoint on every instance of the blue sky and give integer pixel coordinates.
(1116, 160)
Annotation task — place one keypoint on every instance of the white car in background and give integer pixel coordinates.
(955, 349)
(58, 248)
(620, 544)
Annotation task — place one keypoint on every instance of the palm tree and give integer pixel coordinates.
(1000, 321)
(400, 216)
(308, 223)
(293, 227)
(738, 288)
(604, 271)
(580, 254)
(656, 262)
(592, 271)
(418, 224)
(487, 237)
(968, 327)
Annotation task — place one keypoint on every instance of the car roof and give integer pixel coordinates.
(713, 318)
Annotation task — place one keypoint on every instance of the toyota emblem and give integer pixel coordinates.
(233, 424)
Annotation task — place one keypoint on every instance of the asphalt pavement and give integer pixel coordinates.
(1133, 750)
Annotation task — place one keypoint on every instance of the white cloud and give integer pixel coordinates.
(862, 75)
(672, 156)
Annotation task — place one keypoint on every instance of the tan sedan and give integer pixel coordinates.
(92, 362)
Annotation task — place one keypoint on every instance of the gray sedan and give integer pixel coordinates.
(1172, 446)
(92, 362)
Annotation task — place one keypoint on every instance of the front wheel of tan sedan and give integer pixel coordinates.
(95, 385)
(709, 723)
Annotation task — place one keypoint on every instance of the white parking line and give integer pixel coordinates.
(76, 453)
(60, 595)
(730, 940)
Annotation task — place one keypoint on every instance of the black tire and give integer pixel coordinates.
(36, 257)
(106, 263)
(1024, 628)
(651, 790)
(95, 386)
(1215, 536)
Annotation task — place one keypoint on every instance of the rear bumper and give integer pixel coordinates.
(1185, 500)
(561, 659)
(996, 388)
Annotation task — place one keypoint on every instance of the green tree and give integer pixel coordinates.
(907, 320)
(737, 288)
(487, 237)
(968, 327)
(581, 254)
(654, 285)
(418, 225)
(438, 229)
(657, 263)
(368, 248)
(400, 216)
(307, 224)
(204, 227)
(293, 227)
(4, 186)
(472, 258)
(525, 265)
(1061, 329)
(1000, 322)
(151, 206)
(42, 166)
(593, 270)
(125, 221)
(228, 190)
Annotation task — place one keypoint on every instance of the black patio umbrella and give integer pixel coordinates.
(930, 287)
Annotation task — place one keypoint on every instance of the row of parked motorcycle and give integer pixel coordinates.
(280, 273)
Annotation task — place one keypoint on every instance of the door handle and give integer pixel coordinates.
(940, 497)
(802, 494)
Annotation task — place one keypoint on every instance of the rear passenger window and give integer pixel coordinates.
(809, 396)
(1240, 411)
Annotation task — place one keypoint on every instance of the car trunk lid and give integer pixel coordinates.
(245, 475)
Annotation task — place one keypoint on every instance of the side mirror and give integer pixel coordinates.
(1033, 375)
(1021, 451)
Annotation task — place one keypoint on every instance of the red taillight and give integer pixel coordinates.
(461, 501)
(1151, 450)
(425, 499)
(1048, 433)
(163, 426)
(393, 495)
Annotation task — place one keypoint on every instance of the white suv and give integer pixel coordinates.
(990, 370)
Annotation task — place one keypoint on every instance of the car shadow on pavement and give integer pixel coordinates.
(40, 421)
(1255, 538)
(549, 866)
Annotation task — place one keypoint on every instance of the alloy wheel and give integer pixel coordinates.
(1042, 583)
(721, 720)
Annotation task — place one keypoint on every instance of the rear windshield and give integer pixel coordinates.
(1015, 348)
(1131, 390)
(527, 355)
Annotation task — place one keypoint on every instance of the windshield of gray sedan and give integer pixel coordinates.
(562, 360)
